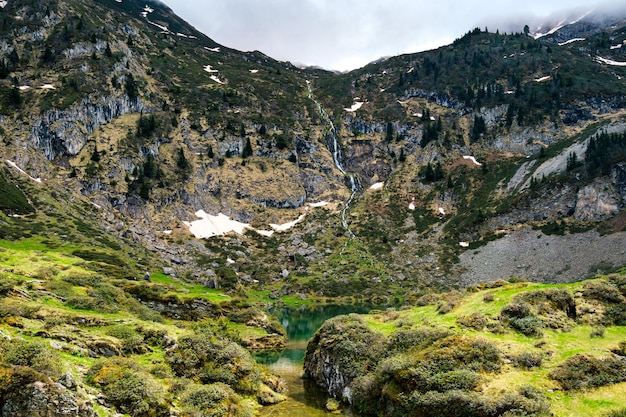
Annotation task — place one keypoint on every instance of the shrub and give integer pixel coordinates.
(528, 360)
(616, 314)
(210, 359)
(128, 388)
(621, 349)
(602, 291)
(585, 371)
(16, 308)
(366, 394)
(132, 341)
(529, 326)
(520, 317)
(516, 310)
(416, 338)
(33, 354)
(597, 331)
(472, 353)
(7, 284)
(213, 400)
(552, 299)
(474, 321)
(488, 297)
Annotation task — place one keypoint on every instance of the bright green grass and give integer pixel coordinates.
(555, 346)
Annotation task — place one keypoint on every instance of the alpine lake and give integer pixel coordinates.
(304, 398)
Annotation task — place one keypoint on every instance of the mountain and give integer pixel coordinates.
(133, 143)
(127, 106)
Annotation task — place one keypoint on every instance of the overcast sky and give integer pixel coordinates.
(348, 34)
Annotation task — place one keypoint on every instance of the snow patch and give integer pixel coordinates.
(286, 226)
(442, 211)
(610, 62)
(571, 41)
(163, 28)
(616, 46)
(48, 87)
(209, 225)
(319, 204)
(254, 71)
(542, 79)
(217, 80)
(167, 232)
(464, 244)
(412, 206)
(377, 186)
(212, 49)
(471, 158)
(3, 3)
(24, 87)
(20, 170)
(354, 107)
(210, 69)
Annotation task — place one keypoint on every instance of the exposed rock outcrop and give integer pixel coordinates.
(597, 201)
(35, 395)
(64, 132)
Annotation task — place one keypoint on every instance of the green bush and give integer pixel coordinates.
(546, 301)
(132, 341)
(472, 353)
(367, 394)
(209, 359)
(458, 403)
(474, 321)
(33, 354)
(10, 307)
(520, 317)
(214, 400)
(616, 314)
(416, 338)
(621, 349)
(348, 339)
(602, 291)
(528, 360)
(585, 371)
(7, 283)
(516, 310)
(529, 326)
(128, 388)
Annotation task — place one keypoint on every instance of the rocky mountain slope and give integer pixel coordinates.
(382, 177)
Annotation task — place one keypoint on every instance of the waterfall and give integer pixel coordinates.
(338, 160)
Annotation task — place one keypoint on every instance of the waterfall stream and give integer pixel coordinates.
(338, 160)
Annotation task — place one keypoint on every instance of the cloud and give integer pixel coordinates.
(346, 34)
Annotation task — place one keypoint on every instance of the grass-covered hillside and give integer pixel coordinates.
(85, 332)
(506, 348)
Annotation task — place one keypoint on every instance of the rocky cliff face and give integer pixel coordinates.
(65, 132)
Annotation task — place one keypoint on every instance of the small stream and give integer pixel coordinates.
(305, 399)
(338, 160)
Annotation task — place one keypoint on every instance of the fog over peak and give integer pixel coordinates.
(347, 34)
